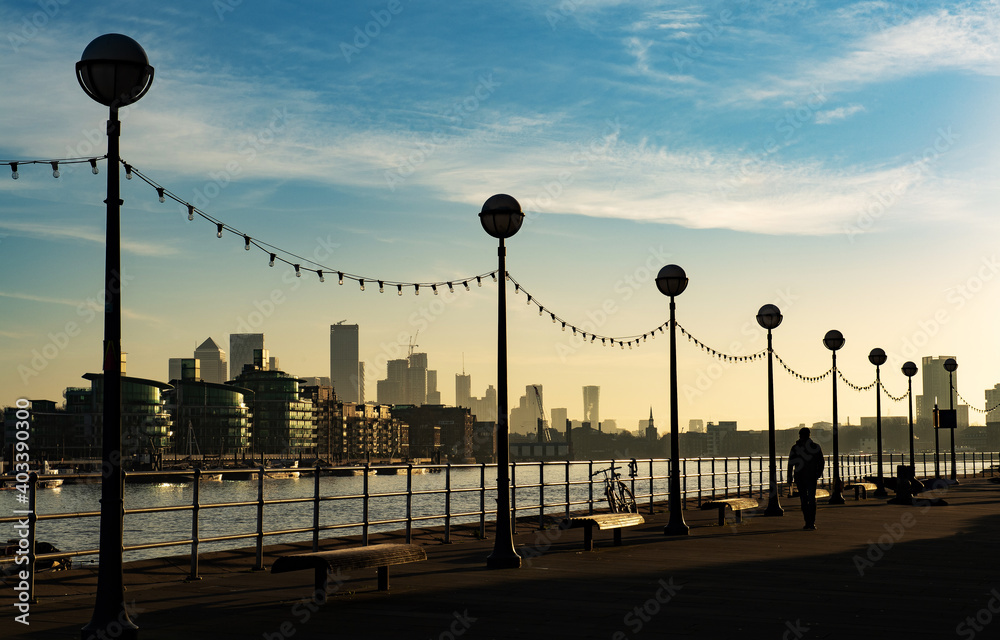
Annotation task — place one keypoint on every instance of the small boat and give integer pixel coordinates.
(52, 564)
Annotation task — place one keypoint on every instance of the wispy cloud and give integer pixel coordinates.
(89, 303)
(68, 231)
(840, 113)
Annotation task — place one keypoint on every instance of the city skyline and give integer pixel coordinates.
(838, 162)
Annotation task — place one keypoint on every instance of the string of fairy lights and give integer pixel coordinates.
(302, 264)
(971, 406)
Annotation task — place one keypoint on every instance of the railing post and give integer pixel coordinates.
(651, 486)
(364, 511)
(699, 478)
(590, 486)
(409, 503)
(195, 509)
(568, 495)
(259, 566)
(513, 497)
(447, 504)
(541, 495)
(32, 520)
(482, 501)
(316, 509)
(684, 482)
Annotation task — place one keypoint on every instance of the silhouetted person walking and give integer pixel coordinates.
(805, 465)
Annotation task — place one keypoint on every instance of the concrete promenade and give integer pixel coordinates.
(870, 570)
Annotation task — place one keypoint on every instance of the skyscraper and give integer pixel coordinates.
(463, 390)
(416, 379)
(213, 362)
(346, 373)
(592, 406)
(935, 387)
(241, 348)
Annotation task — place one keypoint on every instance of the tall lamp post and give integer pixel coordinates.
(910, 370)
(769, 317)
(114, 71)
(877, 357)
(672, 281)
(834, 340)
(501, 217)
(950, 366)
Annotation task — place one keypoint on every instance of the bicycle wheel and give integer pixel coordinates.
(612, 499)
(626, 500)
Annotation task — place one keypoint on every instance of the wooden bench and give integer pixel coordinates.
(861, 489)
(737, 505)
(323, 562)
(602, 521)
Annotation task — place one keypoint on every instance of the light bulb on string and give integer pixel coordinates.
(434, 288)
(271, 263)
(479, 281)
(159, 192)
(13, 171)
(416, 289)
(191, 217)
(381, 287)
(466, 283)
(399, 289)
(55, 168)
(340, 277)
(494, 274)
(319, 272)
(93, 166)
(361, 282)
(128, 171)
(246, 241)
(221, 226)
(298, 274)
(451, 289)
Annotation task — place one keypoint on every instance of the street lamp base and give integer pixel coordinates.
(503, 560)
(675, 528)
(837, 498)
(774, 509)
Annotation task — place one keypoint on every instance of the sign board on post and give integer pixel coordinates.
(947, 419)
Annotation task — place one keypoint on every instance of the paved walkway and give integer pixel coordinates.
(871, 570)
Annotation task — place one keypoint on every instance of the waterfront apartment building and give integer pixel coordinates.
(346, 369)
(592, 406)
(282, 422)
(146, 423)
(209, 419)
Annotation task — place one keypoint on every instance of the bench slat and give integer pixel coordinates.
(736, 504)
(605, 520)
(379, 555)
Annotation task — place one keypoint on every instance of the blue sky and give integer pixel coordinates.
(838, 160)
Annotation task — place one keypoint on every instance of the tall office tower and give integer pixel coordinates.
(463, 390)
(241, 348)
(993, 400)
(213, 362)
(416, 379)
(559, 417)
(592, 406)
(346, 373)
(433, 395)
(935, 387)
(696, 425)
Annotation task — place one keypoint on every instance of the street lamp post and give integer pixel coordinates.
(671, 281)
(877, 357)
(769, 317)
(950, 366)
(501, 217)
(115, 72)
(834, 340)
(910, 370)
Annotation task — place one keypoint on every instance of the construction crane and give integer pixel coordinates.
(413, 342)
(543, 424)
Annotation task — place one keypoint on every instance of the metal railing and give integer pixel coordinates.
(546, 488)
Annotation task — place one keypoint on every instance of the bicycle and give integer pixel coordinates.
(619, 496)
